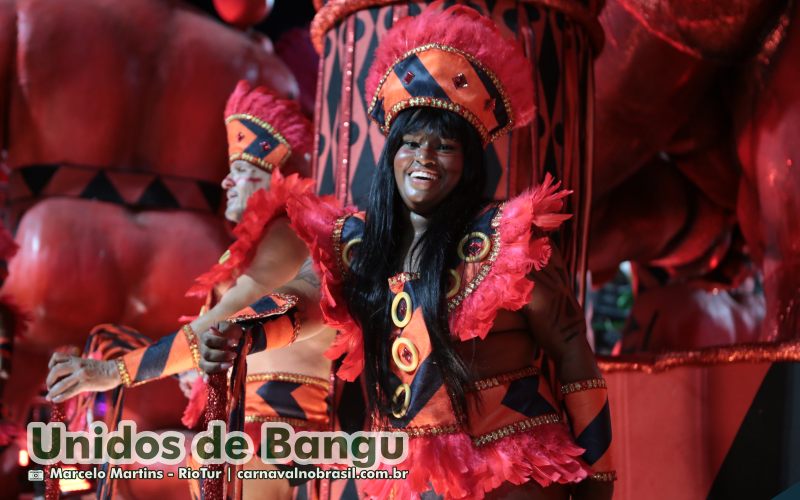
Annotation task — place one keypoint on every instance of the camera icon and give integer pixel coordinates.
(36, 475)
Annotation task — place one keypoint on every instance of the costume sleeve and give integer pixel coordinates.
(172, 354)
(586, 403)
(270, 322)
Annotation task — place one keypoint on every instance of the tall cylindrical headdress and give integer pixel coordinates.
(453, 59)
(264, 129)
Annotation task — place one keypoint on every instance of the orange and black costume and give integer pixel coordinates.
(515, 429)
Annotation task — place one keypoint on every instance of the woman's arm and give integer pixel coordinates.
(557, 324)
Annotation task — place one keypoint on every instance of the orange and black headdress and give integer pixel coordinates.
(453, 59)
(264, 129)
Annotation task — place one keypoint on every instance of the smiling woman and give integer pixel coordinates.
(427, 189)
(430, 159)
(432, 287)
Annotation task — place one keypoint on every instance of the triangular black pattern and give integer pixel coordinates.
(212, 193)
(362, 179)
(764, 458)
(350, 492)
(157, 195)
(334, 89)
(278, 394)
(523, 397)
(100, 188)
(326, 186)
(36, 177)
(361, 80)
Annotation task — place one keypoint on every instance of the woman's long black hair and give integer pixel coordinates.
(380, 256)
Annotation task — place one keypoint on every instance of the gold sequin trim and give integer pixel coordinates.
(402, 278)
(515, 428)
(255, 160)
(191, 338)
(505, 378)
(583, 385)
(123, 372)
(426, 430)
(294, 422)
(608, 477)
(289, 377)
(338, 227)
(289, 302)
(486, 265)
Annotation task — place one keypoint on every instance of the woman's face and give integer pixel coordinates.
(426, 169)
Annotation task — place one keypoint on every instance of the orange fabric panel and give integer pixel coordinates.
(236, 129)
(393, 92)
(444, 66)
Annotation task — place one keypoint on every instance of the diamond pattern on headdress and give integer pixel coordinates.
(460, 81)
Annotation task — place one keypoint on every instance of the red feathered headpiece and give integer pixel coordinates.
(453, 59)
(264, 129)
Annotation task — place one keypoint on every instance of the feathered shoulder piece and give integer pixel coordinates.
(264, 206)
(497, 256)
(320, 222)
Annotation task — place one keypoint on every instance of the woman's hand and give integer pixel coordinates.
(70, 375)
(218, 347)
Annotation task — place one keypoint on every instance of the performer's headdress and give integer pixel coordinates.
(264, 129)
(453, 59)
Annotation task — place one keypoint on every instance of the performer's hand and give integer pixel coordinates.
(186, 381)
(70, 375)
(218, 347)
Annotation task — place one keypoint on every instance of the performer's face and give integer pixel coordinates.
(242, 181)
(426, 169)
